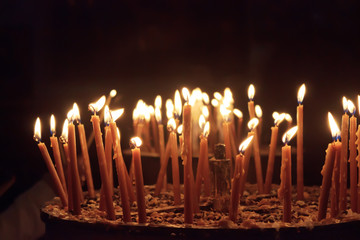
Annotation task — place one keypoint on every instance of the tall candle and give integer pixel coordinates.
(259, 113)
(238, 172)
(300, 140)
(64, 141)
(56, 153)
(335, 188)
(49, 164)
(175, 161)
(109, 148)
(226, 131)
(135, 144)
(352, 156)
(95, 107)
(344, 157)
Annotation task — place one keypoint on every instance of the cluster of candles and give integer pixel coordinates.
(204, 123)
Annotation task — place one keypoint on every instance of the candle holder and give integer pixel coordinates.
(220, 179)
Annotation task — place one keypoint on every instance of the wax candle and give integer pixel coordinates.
(56, 153)
(135, 144)
(327, 169)
(49, 164)
(226, 131)
(352, 157)
(299, 141)
(95, 107)
(108, 148)
(238, 172)
(335, 187)
(344, 156)
(239, 116)
(285, 175)
(64, 141)
(259, 113)
(171, 126)
(272, 150)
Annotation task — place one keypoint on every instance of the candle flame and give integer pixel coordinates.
(205, 111)
(258, 111)
(135, 142)
(278, 118)
(206, 130)
(64, 134)
(214, 102)
(202, 121)
(245, 144)
(37, 130)
(70, 115)
(275, 115)
(335, 131)
(180, 129)
(301, 93)
(252, 124)
(177, 103)
(98, 105)
(345, 104)
(158, 115)
(135, 114)
(251, 92)
(151, 110)
(141, 109)
(238, 113)
(107, 115)
(288, 117)
(205, 98)
(113, 93)
(351, 107)
(225, 113)
(147, 114)
(289, 134)
(186, 94)
(228, 96)
(169, 108)
(171, 125)
(196, 95)
(52, 125)
(158, 101)
(76, 113)
(218, 96)
(115, 114)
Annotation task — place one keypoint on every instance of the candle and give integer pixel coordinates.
(238, 172)
(84, 151)
(335, 187)
(95, 107)
(352, 156)
(226, 131)
(64, 141)
(299, 141)
(49, 164)
(175, 160)
(285, 188)
(56, 153)
(186, 155)
(239, 116)
(135, 144)
(259, 113)
(272, 149)
(327, 169)
(108, 147)
(344, 156)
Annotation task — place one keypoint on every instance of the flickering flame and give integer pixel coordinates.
(197, 93)
(217, 96)
(97, 106)
(151, 110)
(206, 129)
(301, 94)
(52, 125)
(289, 134)
(275, 115)
(245, 144)
(214, 102)
(171, 125)
(135, 114)
(251, 92)
(278, 118)
(205, 98)
(37, 130)
(202, 121)
(141, 109)
(253, 123)
(169, 108)
(335, 131)
(205, 111)
(351, 107)
(177, 103)
(228, 96)
(238, 113)
(258, 111)
(186, 94)
(345, 104)
(115, 114)
(288, 117)
(64, 134)
(147, 114)
(225, 113)
(107, 115)
(158, 101)
(113, 93)
(76, 113)
(158, 115)
(70, 115)
(180, 129)
(135, 142)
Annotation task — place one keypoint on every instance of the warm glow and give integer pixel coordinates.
(177, 103)
(245, 144)
(345, 104)
(252, 124)
(64, 134)
(97, 106)
(52, 125)
(113, 93)
(135, 114)
(135, 142)
(197, 94)
(201, 121)
(171, 125)
(107, 115)
(351, 107)
(180, 129)
(158, 115)
(205, 98)
(37, 130)
(151, 110)
(158, 101)
(186, 94)
(278, 118)
(225, 113)
(238, 113)
(169, 108)
(205, 111)
(206, 129)
(258, 111)
(70, 115)
(76, 113)
(214, 102)
(289, 134)
(275, 115)
(147, 114)
(141, 109)
(118, 132)
(301, 94)
(335, 131)
(115, 114)
(217, 96)
(288, 117)
(251, 92)
(228, 96)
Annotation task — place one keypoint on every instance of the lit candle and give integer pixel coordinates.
(285, 176)
(344, 156)
(56, 153)
(327, 169)
(238, 172)
(95, 107)
(226, 131)
(49, 164)
(84, 151)
(259, 113)
(335, 187)
(180, 131)
(135, 144)
(64, 141)
(108, 147)
(272, 149)
(239, 116)
(300, 143)
(352, 156)
(171, 126)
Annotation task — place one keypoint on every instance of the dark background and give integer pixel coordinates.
(53, 53)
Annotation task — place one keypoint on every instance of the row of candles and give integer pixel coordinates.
(71, 193)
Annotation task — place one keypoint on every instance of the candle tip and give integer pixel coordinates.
(135, 142)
